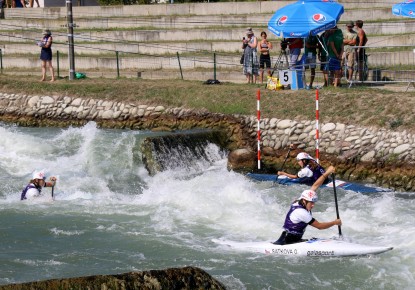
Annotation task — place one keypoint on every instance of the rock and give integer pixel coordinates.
(284, 124)
(107, 114)
(77, 102)
(242, 160)
(369, 156)
(33, 101)
(47, 100)
(328, 127)
(401, 148)
(173, 278)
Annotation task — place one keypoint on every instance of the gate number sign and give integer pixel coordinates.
(284, 77)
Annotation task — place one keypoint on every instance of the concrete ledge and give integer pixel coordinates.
(225, 8)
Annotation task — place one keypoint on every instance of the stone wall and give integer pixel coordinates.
(344, 141)
(371, 154)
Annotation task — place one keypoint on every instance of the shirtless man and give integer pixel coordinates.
(360, 52)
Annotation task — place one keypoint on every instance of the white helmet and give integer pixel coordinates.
(304, 155)
(39, 175)
(309, 195)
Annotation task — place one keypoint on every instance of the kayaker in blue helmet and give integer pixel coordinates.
(299, 216)
(310, 170)
(34, 188)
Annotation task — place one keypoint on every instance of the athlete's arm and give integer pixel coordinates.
(323, 177)
(325, 225)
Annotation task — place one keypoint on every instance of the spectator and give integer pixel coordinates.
(295, 45)
(335, 50)
(349, 55)
(311, 44)
(14, 5)
(46, 54)
(264, 46)
(322, 56)
(31, 3)
(362, 40)
(251, 65)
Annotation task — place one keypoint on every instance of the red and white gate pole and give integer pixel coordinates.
(317, 131)
(258, 97)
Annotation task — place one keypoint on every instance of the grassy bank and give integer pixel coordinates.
(363, 106)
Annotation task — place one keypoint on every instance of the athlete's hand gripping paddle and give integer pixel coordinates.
(286, 157)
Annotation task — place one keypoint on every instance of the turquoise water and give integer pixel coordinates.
(109, 216)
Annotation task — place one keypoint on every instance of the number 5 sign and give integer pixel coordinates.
(284, 77)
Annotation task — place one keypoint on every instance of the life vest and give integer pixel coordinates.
(317, 172)
(293, 228)
(29, 186)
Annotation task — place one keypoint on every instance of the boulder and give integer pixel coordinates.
(242, 160)
(173, 278)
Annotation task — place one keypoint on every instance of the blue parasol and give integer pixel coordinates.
(304, 18)
(406, 9)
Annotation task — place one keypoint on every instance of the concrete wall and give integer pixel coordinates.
(62, 3)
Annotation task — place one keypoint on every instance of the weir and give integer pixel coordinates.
(185, 149)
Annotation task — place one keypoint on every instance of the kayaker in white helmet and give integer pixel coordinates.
(310, 170)
(299, 216)
(34, 188)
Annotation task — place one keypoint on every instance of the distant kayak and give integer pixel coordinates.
(339, 183)
(310, 248)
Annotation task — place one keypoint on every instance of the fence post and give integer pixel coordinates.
(57, 63)
(118, 64)
(1, 60)
(180, 66)
(214, 66)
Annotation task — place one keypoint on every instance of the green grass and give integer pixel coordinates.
(378, 107)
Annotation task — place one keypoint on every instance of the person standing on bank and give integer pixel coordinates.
(264, 46)
(362, 40)
(294, 45)
(46, 54)
(335, 50)
(251, 65)
(349, 55)
(31, 3)
(322, 56)
(34, 188)
(299, 216)
(311, 45)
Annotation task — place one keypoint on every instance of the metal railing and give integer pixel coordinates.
(383, 65)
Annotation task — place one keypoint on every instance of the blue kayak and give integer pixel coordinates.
(357, 187)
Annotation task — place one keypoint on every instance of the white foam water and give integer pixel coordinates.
(109, 216)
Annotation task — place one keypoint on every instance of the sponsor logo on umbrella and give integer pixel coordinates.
(319, 18)
(282, 20)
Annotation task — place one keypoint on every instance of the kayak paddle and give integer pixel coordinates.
(335, 200)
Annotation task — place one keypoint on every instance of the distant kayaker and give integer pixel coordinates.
(310, 170)
(299, 216)
(34, 188)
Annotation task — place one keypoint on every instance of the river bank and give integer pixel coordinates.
(379, 156)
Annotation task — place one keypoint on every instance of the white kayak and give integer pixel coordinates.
(310, 248)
